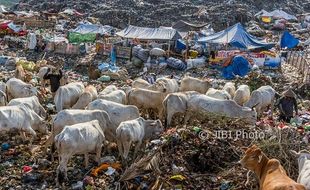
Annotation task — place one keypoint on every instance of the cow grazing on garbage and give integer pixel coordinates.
(147, 99)
(89, 94)
(108, 90)
(261, 99)
(22, 119)
(81, 138)
(138, 130)
(229, 108)
(171, 85)
(71, 117)
(242, 95)
(303, 167)
(272, 176)
(143, 84)
(32, 103)
(230, 88)
(117, 113)
(43, 70)
(218, 94)
(15, 88)
(118, 96)
(66, 96)
(176, 103)
(194, 84)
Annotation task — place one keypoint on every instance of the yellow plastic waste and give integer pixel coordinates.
(193, 54)
(27, 65)
(178, 177)
(266, 19)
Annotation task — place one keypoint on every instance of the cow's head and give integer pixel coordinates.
(254, 100)
(250, 115)
(61, 174)
(29, 90)
(252, 158)
(160, 86)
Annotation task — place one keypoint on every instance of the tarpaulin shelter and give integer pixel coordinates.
(87, 32)
(185, 27)
(279, 14)
(92, 28)
(288, 40)
(239, 66)
(236, 36)
(8, 27)
(142, 33)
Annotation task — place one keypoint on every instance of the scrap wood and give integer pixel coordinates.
(139, 168)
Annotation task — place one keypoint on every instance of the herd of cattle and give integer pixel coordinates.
(86, 119)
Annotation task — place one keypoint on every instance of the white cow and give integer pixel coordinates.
(194, 84)
(137, 130)
(22, 119)
(71, 117)
(218, 94)
(117, 112)
(108, 90)
(118, 96)
(89, 94)
(261, 99)
(228, 108)
(32, 103)
(242, 95)
(147, 99)
(176, 103)
(171, 85)
(19, 89)
(230, 88)
(303, 167)
(66, 96)
(81, 138)
(143, 84)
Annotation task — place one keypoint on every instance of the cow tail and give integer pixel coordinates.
(7, 93)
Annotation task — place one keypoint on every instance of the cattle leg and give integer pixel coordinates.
(169, 119)
(22, 136)
(98, 154)
(86, 157)
(247, 178)
(33, 134)
(126, 147)
(120, 148)
(187, 117)
(138, 145)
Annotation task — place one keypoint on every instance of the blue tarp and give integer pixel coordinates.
(236, 36)
(92, 28)
(180, 45)
(288, 40)
(239, 66)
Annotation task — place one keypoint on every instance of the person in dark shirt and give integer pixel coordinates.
(287, 104)
(54, 79)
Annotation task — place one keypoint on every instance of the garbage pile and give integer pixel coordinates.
(119, 13)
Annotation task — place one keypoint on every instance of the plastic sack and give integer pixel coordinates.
(27, 65)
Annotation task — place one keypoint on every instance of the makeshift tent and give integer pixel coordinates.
(279, 14)
(92, 28)
(262, 12)
(236, 36)
(141, 33)
(239, 66)
(183, 26)
(288, 40)
(10, 28)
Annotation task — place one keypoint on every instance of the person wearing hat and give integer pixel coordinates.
(54, 78)
(287, 104)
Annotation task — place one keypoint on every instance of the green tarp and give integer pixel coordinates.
(75, 37)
